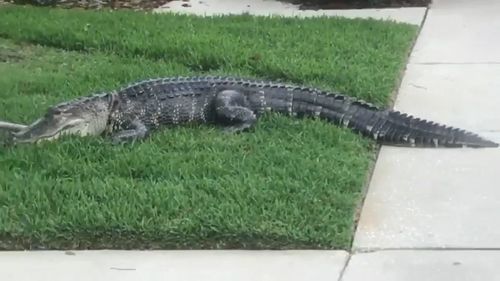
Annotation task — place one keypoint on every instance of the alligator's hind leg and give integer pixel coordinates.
(137, 131)
(231, 110)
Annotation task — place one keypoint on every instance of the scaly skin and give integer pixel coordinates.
(134, 111)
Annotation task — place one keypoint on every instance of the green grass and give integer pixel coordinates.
(286, 184)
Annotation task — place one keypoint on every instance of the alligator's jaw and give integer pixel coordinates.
(13, 127)
(46, 128)
(82, 117)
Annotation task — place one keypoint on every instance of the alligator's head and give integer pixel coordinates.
(81, 117)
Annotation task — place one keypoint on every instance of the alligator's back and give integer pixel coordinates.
(176, 100)
(166, 101)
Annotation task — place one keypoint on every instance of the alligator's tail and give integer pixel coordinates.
(385, 126)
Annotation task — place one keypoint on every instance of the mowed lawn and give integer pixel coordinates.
(288, 183)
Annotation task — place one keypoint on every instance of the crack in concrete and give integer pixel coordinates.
(373, 250)
(418, 86)
(120, 268)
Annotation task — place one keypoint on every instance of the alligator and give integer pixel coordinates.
(134, 111)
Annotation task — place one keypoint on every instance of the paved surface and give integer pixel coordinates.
(424, 266)
(443, 198)
(267, 7)
(172, 265)
(460, 31)
(461, 94)
(430, 198)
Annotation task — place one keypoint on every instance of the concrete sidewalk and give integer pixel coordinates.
(439, 209)
(171, 265)
(429, 214)
(442, 198)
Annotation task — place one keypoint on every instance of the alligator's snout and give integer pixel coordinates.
(7, 131)
(12, 127)
(78, 117)
(49, 127)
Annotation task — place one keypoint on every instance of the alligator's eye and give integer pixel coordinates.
(54, 112)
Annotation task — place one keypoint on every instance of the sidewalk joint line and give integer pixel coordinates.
(437, 249)
(344, 268)
(457, 63)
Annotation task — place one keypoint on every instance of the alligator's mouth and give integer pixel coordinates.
(42, 130)
(8, 129)
(29, 138)
(12, 127)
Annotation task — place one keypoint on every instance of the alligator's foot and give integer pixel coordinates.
(231, 110)
(136, 132)
(236, 129)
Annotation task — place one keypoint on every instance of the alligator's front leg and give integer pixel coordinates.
(137, 130)
(231, 109)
